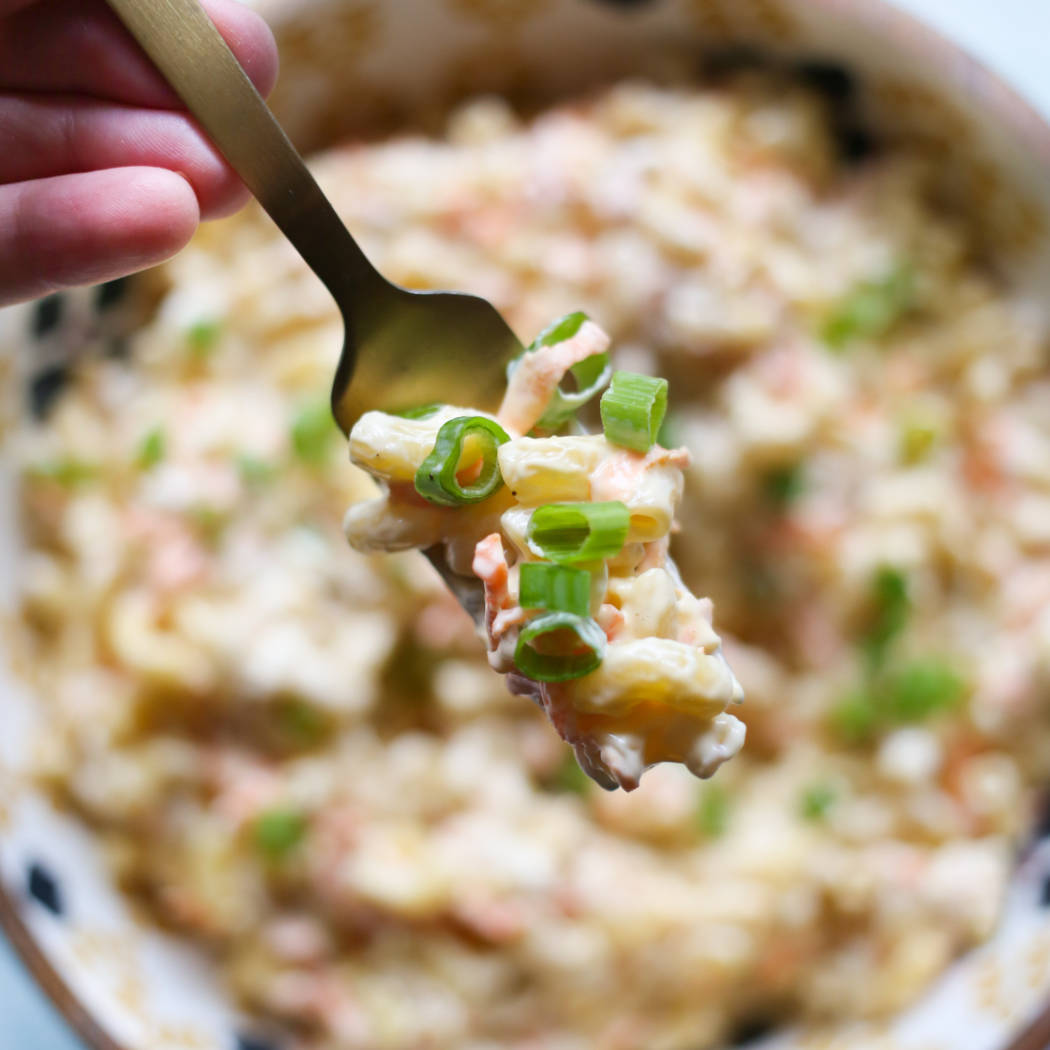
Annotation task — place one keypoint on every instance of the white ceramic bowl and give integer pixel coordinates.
(354, 65)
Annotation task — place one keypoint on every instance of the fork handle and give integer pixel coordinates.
(189, 51)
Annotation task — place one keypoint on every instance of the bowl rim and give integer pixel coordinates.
(981, 81)
(75, 1012)
(891, 22)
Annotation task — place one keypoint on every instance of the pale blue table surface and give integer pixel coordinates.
(1010, 35)
(27, 1021)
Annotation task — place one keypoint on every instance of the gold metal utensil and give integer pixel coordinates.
(401, 348)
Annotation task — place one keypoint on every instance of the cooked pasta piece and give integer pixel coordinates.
(543, 470)
(608, 640)
(392, 447)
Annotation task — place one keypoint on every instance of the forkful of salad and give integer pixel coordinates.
(555, 540)
(567, 534)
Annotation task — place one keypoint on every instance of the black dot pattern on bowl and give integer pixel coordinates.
(839, 88)
(110, 293)
(855, 143)
(732, 59)
(44, 889)
(1044, 892)
(750, 1030)
(254, 1042)
(47, 314)
(829, 78)
(44, 389)
(118, 348)
(1041, 829)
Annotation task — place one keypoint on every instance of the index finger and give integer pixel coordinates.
(80, 47)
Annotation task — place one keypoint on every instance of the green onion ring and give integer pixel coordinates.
(578, 532)
(633, 410)
(436, 477)
(559, 667)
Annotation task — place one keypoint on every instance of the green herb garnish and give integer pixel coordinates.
(436, 479)
(559, 331)
(921, 689)
(914, 692)
(633, 410)
(67, 471)
(916, 440)
(712, 811)
(255, 471)
(278, 831)
(856, 717)
(670, 433)
(151, 449)
(300, 722)
(568, 778)
(816, 800)
(559, 646)
(421, 411)
(202, 338)
(783, 485)
(589, 375)
(871, 309)
(313, 430)
(577, 533)
(890, 612)
(556, 588)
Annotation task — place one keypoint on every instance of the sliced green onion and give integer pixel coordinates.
(783, 485)
(590, 374)
(559, 331)
(436, 477)
(578, 532)
(891, 609)
(421, 411)
(542, 653)
(816, 800)
(66, 471)
(556, 332)
(151, 449)
(670, 433)
(278, 831)
(855, 717)
(917, 439)
(203, 337)
(298, 723)
(921, 689)
(914, 692)
(312, 431)
(255, 471)
(632, 410)
(554, 587)
(871, 308)
(568, 778)
(712, 811)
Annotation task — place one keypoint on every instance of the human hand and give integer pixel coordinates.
(102, 172)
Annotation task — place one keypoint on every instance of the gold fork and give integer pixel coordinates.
(400, 348)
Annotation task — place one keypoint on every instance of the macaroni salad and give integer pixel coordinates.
(297, 757)
(584, 609)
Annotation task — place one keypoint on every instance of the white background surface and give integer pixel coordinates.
(1012, 36)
